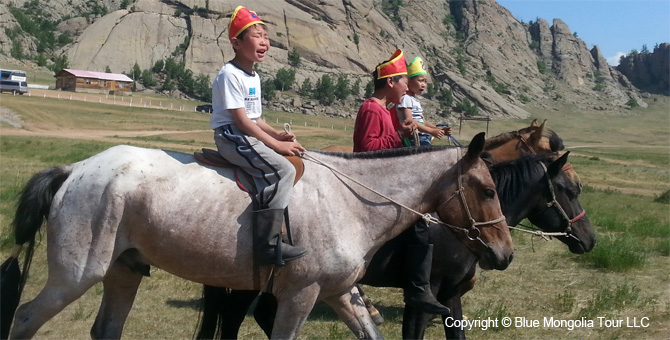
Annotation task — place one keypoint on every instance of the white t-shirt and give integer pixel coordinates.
(410, 102)
(234, 88)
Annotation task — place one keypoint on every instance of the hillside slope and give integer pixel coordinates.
(476, 48)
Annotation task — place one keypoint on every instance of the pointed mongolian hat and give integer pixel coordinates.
(242, 18)
(394, 67)
(416, 67)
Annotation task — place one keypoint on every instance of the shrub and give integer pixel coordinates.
(632, 103)
(136, 72)
(663, 198)
(17, 50)
(524, 99)
(268, 87)
(446, 97)
(148, 78)
(41, 60)
(356, 87)
(467, 107)
(306, 88)
(158, 66)
(294, 58)
(369, 89)
(59, 64)
(342, 89)
(542, 67)
(285, 79)
(325, 90)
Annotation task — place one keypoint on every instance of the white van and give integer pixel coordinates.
(13, 86)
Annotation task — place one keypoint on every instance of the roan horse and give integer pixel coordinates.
(129, 207)
(528, 195)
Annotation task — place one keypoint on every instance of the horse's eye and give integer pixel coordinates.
(489, 193)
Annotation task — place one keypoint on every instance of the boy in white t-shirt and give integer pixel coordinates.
(244, 139)
(410, 107)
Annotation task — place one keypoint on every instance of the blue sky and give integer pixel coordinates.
(616, 26)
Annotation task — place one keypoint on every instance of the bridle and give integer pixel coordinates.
(556, 205)
(472, 232)
(523, 141)
(473, 224)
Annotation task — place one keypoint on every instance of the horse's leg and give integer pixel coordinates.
(351, 309)
(120, 287)
(59, 291)
(374, 313)
(451, 297)
(415, 321)
(265, 312)
(235, 308)
(457, 314)
(293, 307)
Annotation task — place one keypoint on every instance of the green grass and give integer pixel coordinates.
(609, 301)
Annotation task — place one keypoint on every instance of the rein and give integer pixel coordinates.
(554, 203)
(426, 217)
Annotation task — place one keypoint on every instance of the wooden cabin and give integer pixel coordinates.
(93, 82)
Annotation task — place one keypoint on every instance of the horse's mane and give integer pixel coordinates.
(555, 142)
(512, 176)
(390, 153)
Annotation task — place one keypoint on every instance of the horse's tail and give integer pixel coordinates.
(32, 209)
(222, 312)
(211, 313)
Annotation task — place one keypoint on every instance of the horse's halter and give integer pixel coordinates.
(554, 203)
(473, 224)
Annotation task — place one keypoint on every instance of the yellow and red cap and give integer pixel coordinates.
(416, 67)
(242, 18)
(394, 67)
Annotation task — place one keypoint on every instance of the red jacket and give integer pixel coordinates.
(374, 128)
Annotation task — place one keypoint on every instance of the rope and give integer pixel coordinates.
(539, 233)
(426, 217)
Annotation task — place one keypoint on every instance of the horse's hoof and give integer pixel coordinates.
(377, 318)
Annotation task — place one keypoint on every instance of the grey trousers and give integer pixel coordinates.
(273, 174)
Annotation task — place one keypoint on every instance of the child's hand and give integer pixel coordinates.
(407, 128)
(437, 133)
(447, 130)
(287, 137)
(289, 148)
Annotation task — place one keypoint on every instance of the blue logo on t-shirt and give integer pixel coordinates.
(252, 91)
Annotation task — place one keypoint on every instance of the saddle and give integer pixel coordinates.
(213, 158)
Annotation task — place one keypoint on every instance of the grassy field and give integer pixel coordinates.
(623, 159)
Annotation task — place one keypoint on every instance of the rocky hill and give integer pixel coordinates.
(649, 71)
(476, 48)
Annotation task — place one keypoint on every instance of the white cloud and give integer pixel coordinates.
(614, 61)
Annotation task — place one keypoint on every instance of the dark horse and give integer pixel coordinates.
(533, 187)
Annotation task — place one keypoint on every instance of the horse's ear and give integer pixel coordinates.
(557, 165)
(476, 146)
(534, 123)
(536, 136)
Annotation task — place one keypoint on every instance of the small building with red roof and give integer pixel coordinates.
(93, 82)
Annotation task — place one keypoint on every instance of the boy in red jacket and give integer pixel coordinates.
(374, 131)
